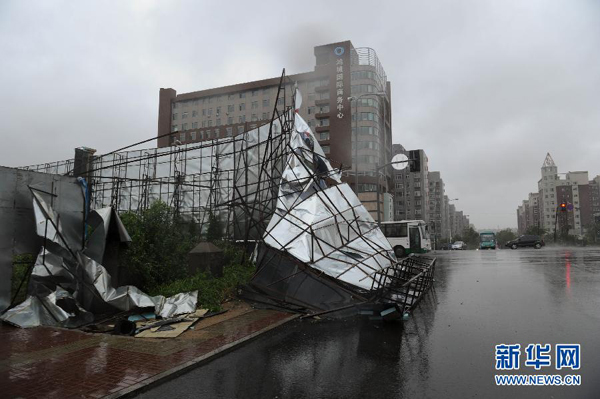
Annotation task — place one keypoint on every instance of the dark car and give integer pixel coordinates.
(526, 241)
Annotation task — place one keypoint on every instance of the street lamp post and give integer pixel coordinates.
(377, 169)
(355, 99)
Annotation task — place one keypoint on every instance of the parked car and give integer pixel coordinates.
(459, 245)
(526, 241)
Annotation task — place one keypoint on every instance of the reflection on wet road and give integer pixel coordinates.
(445, 350)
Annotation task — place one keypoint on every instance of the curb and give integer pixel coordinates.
(182, 368)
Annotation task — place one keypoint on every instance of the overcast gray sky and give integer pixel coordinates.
(485, 88)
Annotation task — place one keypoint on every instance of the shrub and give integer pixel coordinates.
(159, 247)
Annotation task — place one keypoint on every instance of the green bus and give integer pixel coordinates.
(487, 240)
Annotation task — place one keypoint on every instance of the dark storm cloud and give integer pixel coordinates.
(486, 88)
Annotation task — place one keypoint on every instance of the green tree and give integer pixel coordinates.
(470, 237)
(160, 242)
(505, 235)
(593, 233)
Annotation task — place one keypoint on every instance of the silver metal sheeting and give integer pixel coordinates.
(56, 270)
(129, 297)
(328, 229)
(17, 222)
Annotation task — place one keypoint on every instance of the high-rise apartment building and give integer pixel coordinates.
(542, 209)
(547, 193)
(411, 189)
(437, 217)
(346, 95)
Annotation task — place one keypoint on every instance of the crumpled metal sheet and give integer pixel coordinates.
(329, 229)
(46, 311)
(49, 302)
(128, 297)
(100, 221)
(17, 223)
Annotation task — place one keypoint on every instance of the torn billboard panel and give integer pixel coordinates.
(17, 220)
(327, 228)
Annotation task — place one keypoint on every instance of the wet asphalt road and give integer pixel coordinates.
(446, 348)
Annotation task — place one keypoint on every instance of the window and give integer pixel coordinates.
(194, 125)
(254, 118)
(325, 149)
(175, 116)
(358, 89)
(203, 112)
(230, 96)
(175, 105)
(229, 131)
(324, 109)
(266, 91)
(203, 123)
(209, 123)
(366, 116)
(243, 95)
(218, 111)
(367, 187)
(242, 119)
(254, 93)
(182, 136)
(311, 110)
(323, 95)
(264, 115)
(280, 101)
(218, 122)
(230, 120)
(242, 107)
(209, 111)
(324, 136)
(184, 126)
(240, 129)
(267, 103)
(193, 134)
(174, 128)
(201, 135)
(324, 122)
(254, 104)
(216, 132)
(230, 108)
(194, 113)
(184, 115)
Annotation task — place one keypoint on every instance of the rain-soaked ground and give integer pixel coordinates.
(445, 350)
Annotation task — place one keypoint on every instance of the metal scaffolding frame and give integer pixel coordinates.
(318, 250)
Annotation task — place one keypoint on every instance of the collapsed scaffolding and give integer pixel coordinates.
(317, 249)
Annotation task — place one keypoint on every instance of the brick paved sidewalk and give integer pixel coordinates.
(53, 362)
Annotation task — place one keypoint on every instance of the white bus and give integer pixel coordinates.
(407, 236)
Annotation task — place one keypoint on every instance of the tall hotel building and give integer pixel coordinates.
(347, 90)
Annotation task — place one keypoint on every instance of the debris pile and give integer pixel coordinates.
(68, 286)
